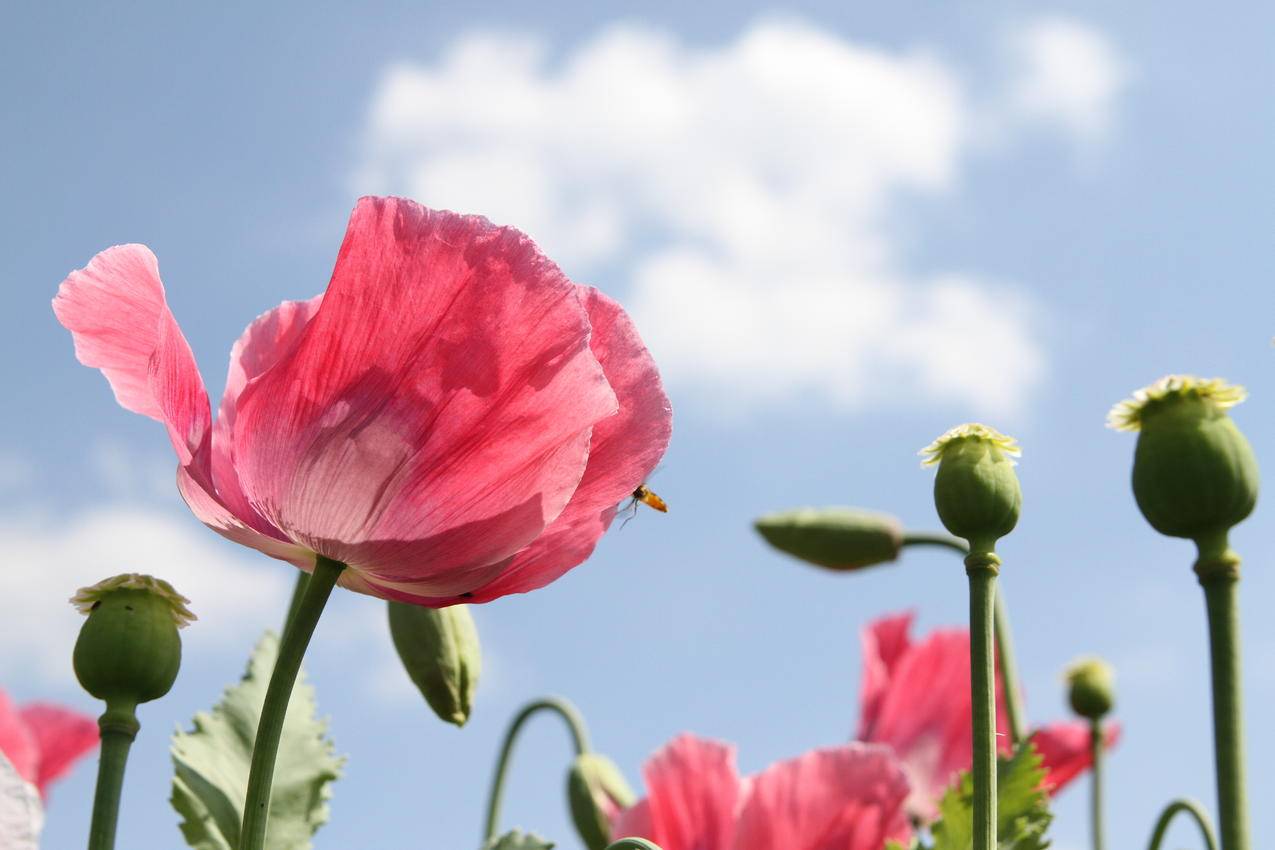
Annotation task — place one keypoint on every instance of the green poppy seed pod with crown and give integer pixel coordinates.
(1194, 473)
(976, 490)
(835, 538)
(129, 650)
(439, 649)
(1091, 687)
(596, 794)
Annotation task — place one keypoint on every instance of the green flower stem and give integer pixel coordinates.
(1220, 579)
(579, 739)
(982, 570)
(1015, 713)
(297, 633)
(1096, 746)
(1197, 813)
(633, 844)
(298, 593)
(119, 727)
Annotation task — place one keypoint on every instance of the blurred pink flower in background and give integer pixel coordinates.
(915, 698)
(848, 797)
(44, 741)
(453, 419)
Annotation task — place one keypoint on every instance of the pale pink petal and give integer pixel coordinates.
(435, 414)
(884, 642)
(1064, 750)
(17, 742)
(840, 798)
(623, 452)
(63, 737)
(693, 792)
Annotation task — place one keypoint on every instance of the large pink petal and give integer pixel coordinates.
(884, 642)
(63, 737)
(435, 414)
(848, 798)
(624, 450)
(693, 793)
(1064, 750)
(17, 742)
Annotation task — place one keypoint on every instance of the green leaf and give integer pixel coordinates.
(517, 840)
(211, 763)
(1022, 807)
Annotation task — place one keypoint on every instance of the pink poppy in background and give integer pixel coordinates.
(915, 698)
(453, 419)
(848, 797)
(44, 741)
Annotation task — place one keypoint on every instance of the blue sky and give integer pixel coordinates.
(841, 233)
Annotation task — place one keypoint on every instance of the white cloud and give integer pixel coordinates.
(743, 190)
(1068, 74)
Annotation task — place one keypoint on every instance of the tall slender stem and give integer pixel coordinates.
(252, 835)
(1015, 713)
(982, 575)
(298, 593)
(1197, 813)
(579, 740)
(1228, 733)
(1096, 745)
(119, 727)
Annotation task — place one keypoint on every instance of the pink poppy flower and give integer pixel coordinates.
(848, 797)
(44, 741)
(453, 419)
(915, 698)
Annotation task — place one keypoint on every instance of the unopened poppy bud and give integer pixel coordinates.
(1194, 473)
(596, 794)
(976, 490)
(836, 538)
(1091, 687)
(128, 651)
(439, 648)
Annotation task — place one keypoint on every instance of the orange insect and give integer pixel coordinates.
(647, 496)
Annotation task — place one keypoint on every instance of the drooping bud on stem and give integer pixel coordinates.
(976, 491)
(835, 538)
(439, 649)
(1091, 687)
(596, 794)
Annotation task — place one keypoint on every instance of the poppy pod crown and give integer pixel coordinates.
(976, 490)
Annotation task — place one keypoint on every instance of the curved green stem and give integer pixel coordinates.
(1015, 713)
(119, 727)
(633, 844)
(297, 633)
(982, 575)
(579, 739)
(1228, 731)
(1096, 746)
(1197, 813)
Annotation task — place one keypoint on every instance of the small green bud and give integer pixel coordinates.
(596, 794)
(1194, 473)
(836, 538)
(128, 651)
(439, 648)
(976, 490)
(1091, 687)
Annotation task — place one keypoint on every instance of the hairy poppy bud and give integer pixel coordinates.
(976, 490)
(596, 794)
(128, 651)
(1194, 473)
(836, 538)
(1091, 687)
(440, 650)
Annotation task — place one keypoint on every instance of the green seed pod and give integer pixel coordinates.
(836, 538)
(440, 651)
(1091, 687)
(596, 794)
(128, 651)
(1194, 473)
(976, 490)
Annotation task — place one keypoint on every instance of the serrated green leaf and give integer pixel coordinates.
(211, 764)
(518, 840)
(1022, 807)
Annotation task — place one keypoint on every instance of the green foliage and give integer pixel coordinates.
(1022, 808)
(518, 840)
(212, 760)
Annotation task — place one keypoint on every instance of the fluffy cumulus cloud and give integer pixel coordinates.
(742, 195)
